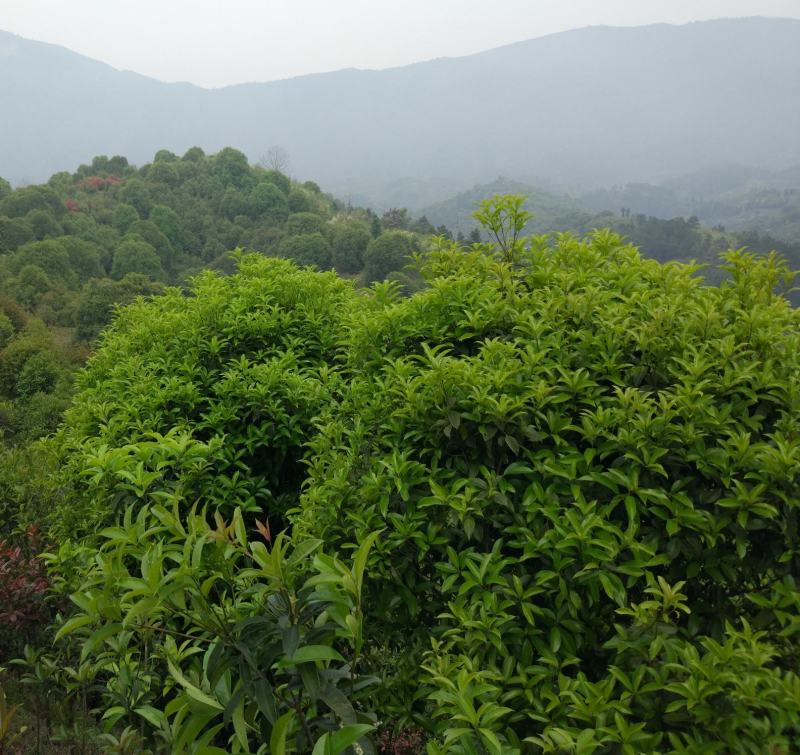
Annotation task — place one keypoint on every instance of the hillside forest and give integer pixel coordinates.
(279, 474)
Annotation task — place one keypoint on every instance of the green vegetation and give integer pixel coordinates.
(74, 249)
(544, 503)
(661, 222)
(737, 199)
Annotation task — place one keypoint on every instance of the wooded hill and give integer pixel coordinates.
(73, 249)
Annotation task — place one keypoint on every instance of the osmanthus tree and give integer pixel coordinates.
(233, 375)
(205, 630)
(549, 502)
(585, 466)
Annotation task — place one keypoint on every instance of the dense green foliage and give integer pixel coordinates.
(74, 249)
(660, 223)
(389, 253)
(536, 494)
(222, 387)
(547, 503)
(586, 473)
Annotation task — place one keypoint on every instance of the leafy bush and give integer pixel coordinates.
(269, 202)
(26, 495)
(38, 375)
(299, 201)
(32, 339)
(14, 233)
(22, 201)
(213, 394)
(43, 224)
(135, 255)
(582, 465)
(50, 255)
(206, 637)
(125, 215)
(350, 241)
(277, 179)
(100, 297)
(38, 415)
(150, 232)
(6, 329)
(168, 222)
(23, 586)
(305, 223)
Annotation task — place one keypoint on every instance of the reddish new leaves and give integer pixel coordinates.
(96, 183)
(23, 584)
(407, 741)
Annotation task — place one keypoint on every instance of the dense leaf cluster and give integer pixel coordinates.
(583, 467)
(211, 396)
(586, 466)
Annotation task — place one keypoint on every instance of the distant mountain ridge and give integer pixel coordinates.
(589, 107)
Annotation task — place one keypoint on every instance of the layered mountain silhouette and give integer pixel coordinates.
(594, 106)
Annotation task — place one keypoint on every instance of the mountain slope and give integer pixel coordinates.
(550, 212)
(592, 106)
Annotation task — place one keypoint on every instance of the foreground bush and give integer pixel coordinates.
(209, 396)
(206, 637)
(583, 467)
(586, 465)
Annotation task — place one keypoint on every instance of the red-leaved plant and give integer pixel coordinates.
(96, 183)
(23, 584)
(407, 741)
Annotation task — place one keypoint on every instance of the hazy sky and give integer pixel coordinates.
(218, 42)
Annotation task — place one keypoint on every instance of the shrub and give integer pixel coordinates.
(278, 179)
(350, 241)
(43, 224)
(135, 255)
(577, 471)
(16, 314)
(38, 375)
(268, 203)
(6, 329)
(305, 223)
(32, 340)
(125, 215)
(264, 663)
(168, 222)
(136, 193)
(213, 394)
(26, 496)
(100, 297)
(299, 201)
(23, 586)
(582, 463)
(14, 232)
(150, 232)
(50, 256)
